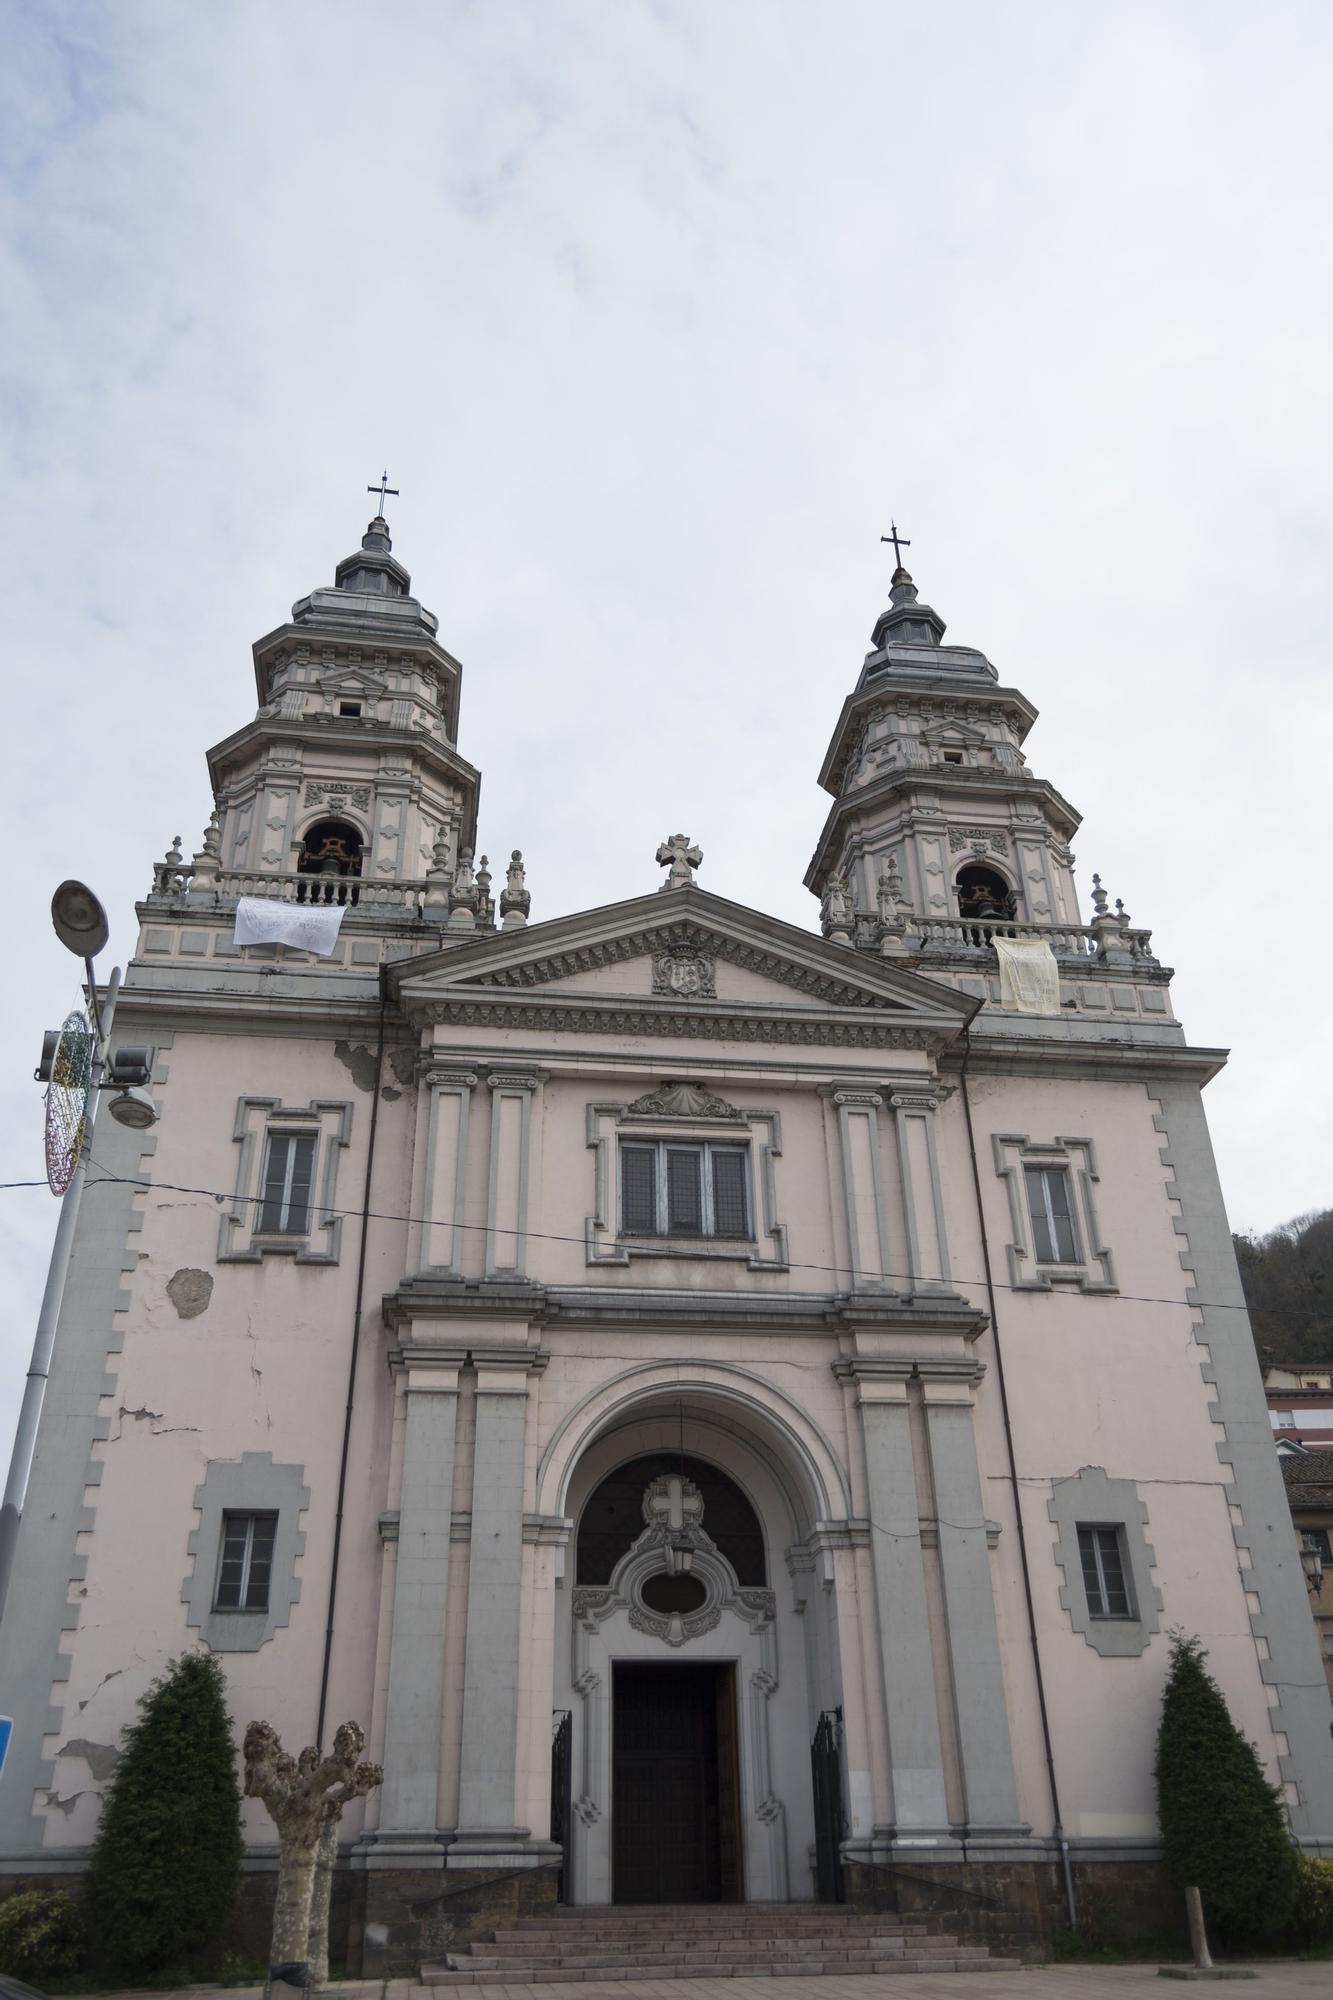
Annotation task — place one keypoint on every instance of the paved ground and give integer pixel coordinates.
(1279, 1979)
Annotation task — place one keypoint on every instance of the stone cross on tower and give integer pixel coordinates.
(681, 858)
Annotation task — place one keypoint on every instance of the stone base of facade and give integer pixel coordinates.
(1020, 1905)
(401, 1916)
(384, 1921)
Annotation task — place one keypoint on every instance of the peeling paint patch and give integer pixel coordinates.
(101, 1758)
(403, 1062)
(389, 1094)
(359, 1062)
(65, 1806)
(190, 1291)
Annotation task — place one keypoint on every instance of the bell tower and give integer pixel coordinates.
(935, 812)
(350, 765)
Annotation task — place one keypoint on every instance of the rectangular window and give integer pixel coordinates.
(1315, 1542)
(247, 1562)
(1103, 1560)
(1052, 1214)
(671, 1190)
(289, 1171)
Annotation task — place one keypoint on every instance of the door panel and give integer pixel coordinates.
(670, 1843)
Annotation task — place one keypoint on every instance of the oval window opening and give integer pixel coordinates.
(667, 1593)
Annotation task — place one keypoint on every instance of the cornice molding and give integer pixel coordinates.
(783, 1312)
(593, 1014)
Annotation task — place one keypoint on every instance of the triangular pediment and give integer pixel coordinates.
(351, 680)
(658, 959)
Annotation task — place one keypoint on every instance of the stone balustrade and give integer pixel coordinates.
(219, 888)
(971, 938)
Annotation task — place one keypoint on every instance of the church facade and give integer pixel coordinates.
(734, 1411)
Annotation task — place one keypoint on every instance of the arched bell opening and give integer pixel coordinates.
(330, 857)
(695, 1651)
(984, 894)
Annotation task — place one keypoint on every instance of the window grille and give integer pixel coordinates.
(1051, 1213)
(289, 1172)
(672, 1190)
(1104, 1573)
(246, 1566)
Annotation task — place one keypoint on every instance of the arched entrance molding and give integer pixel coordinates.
(776, 1425)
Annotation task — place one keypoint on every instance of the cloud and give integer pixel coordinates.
(655, 313)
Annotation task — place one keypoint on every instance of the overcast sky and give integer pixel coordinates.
(656, 311)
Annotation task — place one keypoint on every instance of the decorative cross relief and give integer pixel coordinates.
(682, 858)
(673, 1504)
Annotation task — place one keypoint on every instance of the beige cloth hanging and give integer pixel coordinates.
(1029, 976)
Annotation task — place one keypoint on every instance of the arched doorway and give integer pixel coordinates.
(694, 1656)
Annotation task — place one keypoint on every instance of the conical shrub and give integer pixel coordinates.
(166, 1866)
(1224, 1830)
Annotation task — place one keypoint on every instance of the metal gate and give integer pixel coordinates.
(826, 1770)
(562, 1737)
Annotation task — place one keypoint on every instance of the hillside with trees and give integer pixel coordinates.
(1288, 1280)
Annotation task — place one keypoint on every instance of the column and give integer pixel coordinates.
(920, 1810)
(415, 1694)
(923, 1201)
(982, 1715)
(487, 1836)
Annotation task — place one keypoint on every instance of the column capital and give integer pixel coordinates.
(516, 1079)
(440, 1074)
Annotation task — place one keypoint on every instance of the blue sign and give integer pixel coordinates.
(6, 1731)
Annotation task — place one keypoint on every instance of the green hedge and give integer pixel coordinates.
(41, 1936)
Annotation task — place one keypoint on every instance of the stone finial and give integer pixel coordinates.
(175, 858)
(515, 899)
(1112, 945)
(682, 858)
(485, 907)
(206, 860)
(463, 894)
(835, 910)
(894, 908)
(438, 882)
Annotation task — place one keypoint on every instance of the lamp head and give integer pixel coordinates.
(134, 1108)
(79, 920)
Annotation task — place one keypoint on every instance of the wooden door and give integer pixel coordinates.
(730, 1860)
(667, 1840)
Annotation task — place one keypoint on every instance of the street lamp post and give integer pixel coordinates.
(80, 924)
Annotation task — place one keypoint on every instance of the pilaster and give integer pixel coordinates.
(980, 1711)
(487, 1835)
(868, 1250)
(920, 1810)
(512, 1095)
(415, 1696)
(444, 1171)
(923, 1200)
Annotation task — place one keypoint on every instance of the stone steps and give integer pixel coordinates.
(712, 1941)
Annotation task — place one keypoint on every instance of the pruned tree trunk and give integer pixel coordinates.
(321, 1893)
(291, 1911)
(305, 1798)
